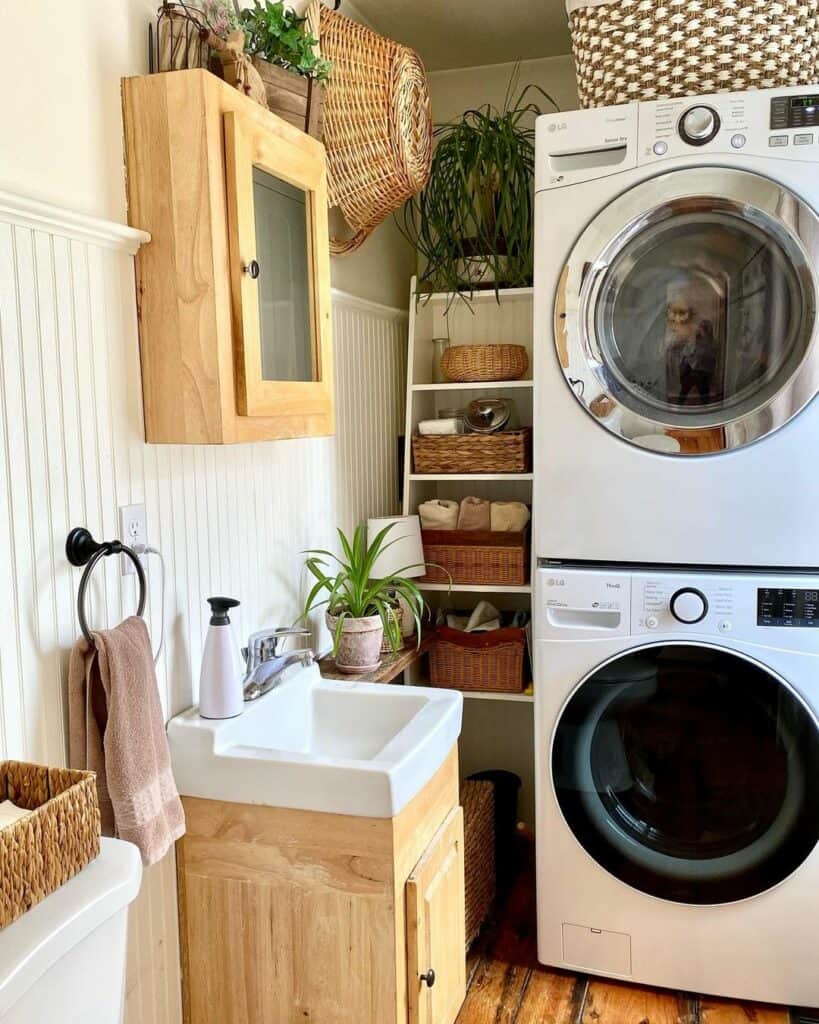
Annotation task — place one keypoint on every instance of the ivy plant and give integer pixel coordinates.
(278, 35)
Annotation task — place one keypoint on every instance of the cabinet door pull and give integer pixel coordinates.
(428, 979)
(252, 269)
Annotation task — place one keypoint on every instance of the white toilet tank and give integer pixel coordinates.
(64, 960)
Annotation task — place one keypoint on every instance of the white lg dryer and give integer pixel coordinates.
(677, 750)
(676, 354)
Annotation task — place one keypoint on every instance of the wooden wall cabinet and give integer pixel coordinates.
(291, 916)
(233, 289)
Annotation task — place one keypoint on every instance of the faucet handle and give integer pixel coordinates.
(264, 645)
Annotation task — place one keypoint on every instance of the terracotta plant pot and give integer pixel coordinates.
(359, 647)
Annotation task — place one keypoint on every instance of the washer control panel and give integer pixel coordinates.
(585, 603)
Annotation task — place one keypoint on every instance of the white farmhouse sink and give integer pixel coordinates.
(320, 745)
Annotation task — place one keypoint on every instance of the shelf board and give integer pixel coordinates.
(475, 386)
(517, 698)
(481, 295)
(420, 477)
(475, 588)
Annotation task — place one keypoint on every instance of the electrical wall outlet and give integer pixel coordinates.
(133, 531)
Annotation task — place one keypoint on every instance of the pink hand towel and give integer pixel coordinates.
(116, 729)
(474, 514)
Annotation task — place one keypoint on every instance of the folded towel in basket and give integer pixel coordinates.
(509, 516)
(438, 514)
(450, 425)
(116, 729)
(474, 514)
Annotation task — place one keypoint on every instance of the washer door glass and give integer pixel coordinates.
(689, 773)
(689, 311)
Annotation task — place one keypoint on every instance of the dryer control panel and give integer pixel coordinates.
(586, 603)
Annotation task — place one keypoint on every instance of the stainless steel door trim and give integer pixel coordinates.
(771, 209)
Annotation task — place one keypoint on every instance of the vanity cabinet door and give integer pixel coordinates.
(436, 939)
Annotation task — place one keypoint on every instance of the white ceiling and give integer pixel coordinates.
(464, 33)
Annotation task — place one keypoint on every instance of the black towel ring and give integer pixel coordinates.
(82, 549)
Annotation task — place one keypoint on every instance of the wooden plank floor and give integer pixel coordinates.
(506, 985)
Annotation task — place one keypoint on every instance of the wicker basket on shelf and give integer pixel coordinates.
(509, 451)
(478, 802)
(492, 661)
(648, 49)
(469, 364)
(42, 851)
(483, 557)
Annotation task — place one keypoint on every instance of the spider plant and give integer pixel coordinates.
(348, 591)
(477, 205)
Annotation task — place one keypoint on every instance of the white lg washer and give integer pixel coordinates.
(677, 748)
(676, 341)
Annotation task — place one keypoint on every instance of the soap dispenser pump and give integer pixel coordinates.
(220, 683)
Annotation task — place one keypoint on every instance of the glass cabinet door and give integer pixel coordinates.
(280, 275)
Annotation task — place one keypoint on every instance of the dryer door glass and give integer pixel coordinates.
(689, 773)
(688, 311)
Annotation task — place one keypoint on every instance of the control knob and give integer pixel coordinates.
(689, 605)
(698, 125)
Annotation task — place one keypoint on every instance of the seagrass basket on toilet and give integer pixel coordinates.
(42, 851)
(656, 49)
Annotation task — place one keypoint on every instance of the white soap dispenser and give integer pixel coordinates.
(220, 682)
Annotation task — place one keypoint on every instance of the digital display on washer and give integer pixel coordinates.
(782, 607)
(804, 101)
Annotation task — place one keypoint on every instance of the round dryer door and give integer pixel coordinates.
(686, 317)
(690, 773)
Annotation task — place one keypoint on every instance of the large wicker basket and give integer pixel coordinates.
(377, 125)
(41, 852)
(482, 557)
(479, 363)
(478, 802)
(492, 662)
(509, 451)
(651, 49)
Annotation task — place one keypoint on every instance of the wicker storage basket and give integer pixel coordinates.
(478, 802)
(509, 451)
(40, 853)
(491, 661)
(471, 363)
(377, 125)
(650, 49)
(476, 556)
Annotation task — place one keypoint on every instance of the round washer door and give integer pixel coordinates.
(690, 773)
(686, 316)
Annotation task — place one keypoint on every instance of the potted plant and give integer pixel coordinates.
(473, 221)
(360, 610)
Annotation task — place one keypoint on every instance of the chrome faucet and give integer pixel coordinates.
(264, 664)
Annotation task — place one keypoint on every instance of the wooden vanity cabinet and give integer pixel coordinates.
(291, 916)
(233, 290)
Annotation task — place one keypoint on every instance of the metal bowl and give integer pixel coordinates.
(487, 415)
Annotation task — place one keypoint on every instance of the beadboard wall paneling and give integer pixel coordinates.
(227, 519)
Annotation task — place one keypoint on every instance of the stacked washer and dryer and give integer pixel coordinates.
(677, 539)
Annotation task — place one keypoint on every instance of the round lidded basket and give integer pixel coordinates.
(470, 363)
(657, 49)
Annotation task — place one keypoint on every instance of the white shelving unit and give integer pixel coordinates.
(498, 727)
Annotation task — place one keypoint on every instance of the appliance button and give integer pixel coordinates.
(689, 605)
(699, 125)
(652, 622)
(738, 140)
(803, 139)
(777, 140)
(660, 148)
(725, 626)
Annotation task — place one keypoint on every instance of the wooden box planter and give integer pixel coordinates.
(483, 557)
(41, 852)
(294, 98)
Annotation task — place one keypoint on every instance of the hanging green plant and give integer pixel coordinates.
(276, 34)
(473, 223)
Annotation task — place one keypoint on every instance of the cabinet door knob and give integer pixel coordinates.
(428, 978)
(252, 269)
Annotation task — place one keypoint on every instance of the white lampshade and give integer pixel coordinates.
(404, 547)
